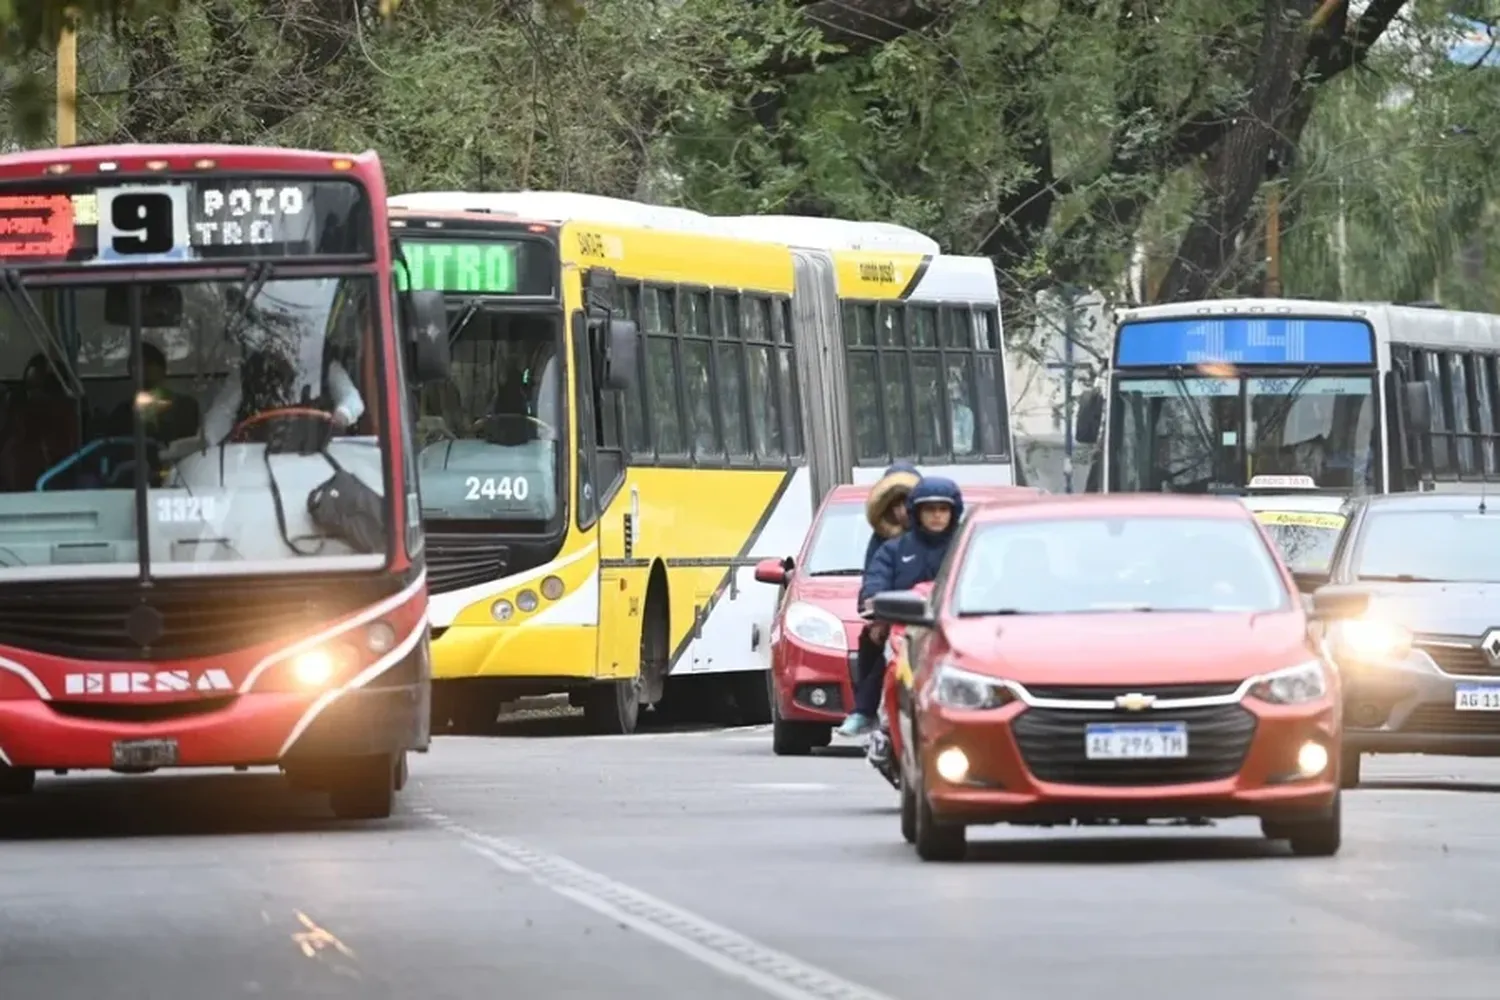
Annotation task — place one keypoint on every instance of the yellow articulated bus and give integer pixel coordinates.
(628, 428)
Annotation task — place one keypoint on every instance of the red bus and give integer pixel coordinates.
(211, 550)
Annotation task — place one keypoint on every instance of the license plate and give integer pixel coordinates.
(1136, 741)
(1477, 698)
(145, 753)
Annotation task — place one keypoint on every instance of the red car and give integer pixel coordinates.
(1120, 658)
(815, 634)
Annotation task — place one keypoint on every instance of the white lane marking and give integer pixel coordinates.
(734, 733)
(773, 972)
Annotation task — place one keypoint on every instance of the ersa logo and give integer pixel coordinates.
(146, 682)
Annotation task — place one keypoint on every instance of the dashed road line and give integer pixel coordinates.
(773, 972)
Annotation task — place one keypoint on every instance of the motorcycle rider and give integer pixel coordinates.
(885, 509)
(933, 508)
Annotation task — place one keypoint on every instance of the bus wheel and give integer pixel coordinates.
(612, 708)
(16, 780)
(364, 788)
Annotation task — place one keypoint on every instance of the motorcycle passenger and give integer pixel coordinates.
(934, 507)
(885, 509)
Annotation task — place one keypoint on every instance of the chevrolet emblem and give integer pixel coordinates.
(1135, 701)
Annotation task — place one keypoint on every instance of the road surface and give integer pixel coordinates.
(699, 866)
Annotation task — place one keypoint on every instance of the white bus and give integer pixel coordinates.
(1241, 395)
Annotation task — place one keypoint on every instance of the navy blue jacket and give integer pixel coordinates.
(876, 541)
(913, 558)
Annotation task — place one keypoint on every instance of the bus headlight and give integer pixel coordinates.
(552, 588)
(502, 610)
(526, 601)
(381, 637)
(319, 666)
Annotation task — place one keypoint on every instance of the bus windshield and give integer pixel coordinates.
(252, 395)
(1196, 433)
(490, 434)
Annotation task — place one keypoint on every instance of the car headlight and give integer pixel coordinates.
(816, 627)
(1294, 685)
(1370, 640)
(964, 689)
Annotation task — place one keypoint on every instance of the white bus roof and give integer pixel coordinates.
(1419, 326)
(785, 230)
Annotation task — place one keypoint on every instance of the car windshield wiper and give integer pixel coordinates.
(997, 612)
(1200, 424)
(1406, 578)
(837, 572)
(41, 332)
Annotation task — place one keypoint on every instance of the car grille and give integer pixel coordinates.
(458, 561)
(189, 618)
(1052, 744)
(1079, 692)
(1459, 660)
(1444, 720)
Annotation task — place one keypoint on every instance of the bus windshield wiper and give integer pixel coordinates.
(1200, 425)
(256, 276)
(1284, 410)
(462, 320)
(36, 324)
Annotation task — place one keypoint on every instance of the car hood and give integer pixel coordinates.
(1460, 609)
(1136, 648)
(838, 595)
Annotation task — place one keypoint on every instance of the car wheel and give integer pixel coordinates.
(1349, 762)
(935, 841)
(1317, 838)
(790, 739)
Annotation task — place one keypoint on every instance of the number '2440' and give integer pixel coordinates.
(497, 488)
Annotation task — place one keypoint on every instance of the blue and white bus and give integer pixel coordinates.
(1237, 395)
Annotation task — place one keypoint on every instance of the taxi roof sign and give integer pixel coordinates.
(1282, 483)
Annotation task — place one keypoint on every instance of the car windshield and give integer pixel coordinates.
(232, 477)
(1450, 546)
(1101, 564)
(489, 435)
(839, 541)
(1190, 435)
(1304, 538)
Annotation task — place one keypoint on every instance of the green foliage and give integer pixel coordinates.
(1056, 135)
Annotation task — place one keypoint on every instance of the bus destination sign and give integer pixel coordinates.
(177, 221)
(477, 267)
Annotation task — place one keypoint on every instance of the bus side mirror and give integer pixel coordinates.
(620, 345)
(426, 324)
(1419, 403)
(1090, 416)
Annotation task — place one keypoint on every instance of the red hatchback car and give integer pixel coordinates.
(1104, 659)
(815, 634)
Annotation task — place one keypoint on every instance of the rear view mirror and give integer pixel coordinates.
(1418, 400)
(426, 328)
(1333, 602)
(1090, 416)
(900, 607)
(773, 571)
(621, 340)
(161, 306)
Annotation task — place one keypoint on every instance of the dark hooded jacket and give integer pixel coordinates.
(914, 557)
(897, 480)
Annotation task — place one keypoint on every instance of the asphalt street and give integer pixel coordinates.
(697, 865)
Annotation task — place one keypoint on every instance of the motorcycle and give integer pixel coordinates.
(885, 746)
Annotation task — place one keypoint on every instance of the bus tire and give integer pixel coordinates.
(17, 780)
(613, 708)
(363, 788)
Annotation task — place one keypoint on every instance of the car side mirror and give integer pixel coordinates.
(774, 571)
(1090, 416)
(901, 607)
(426, 336)
(1419, 403)
(1333, 603)
(1308, 581)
